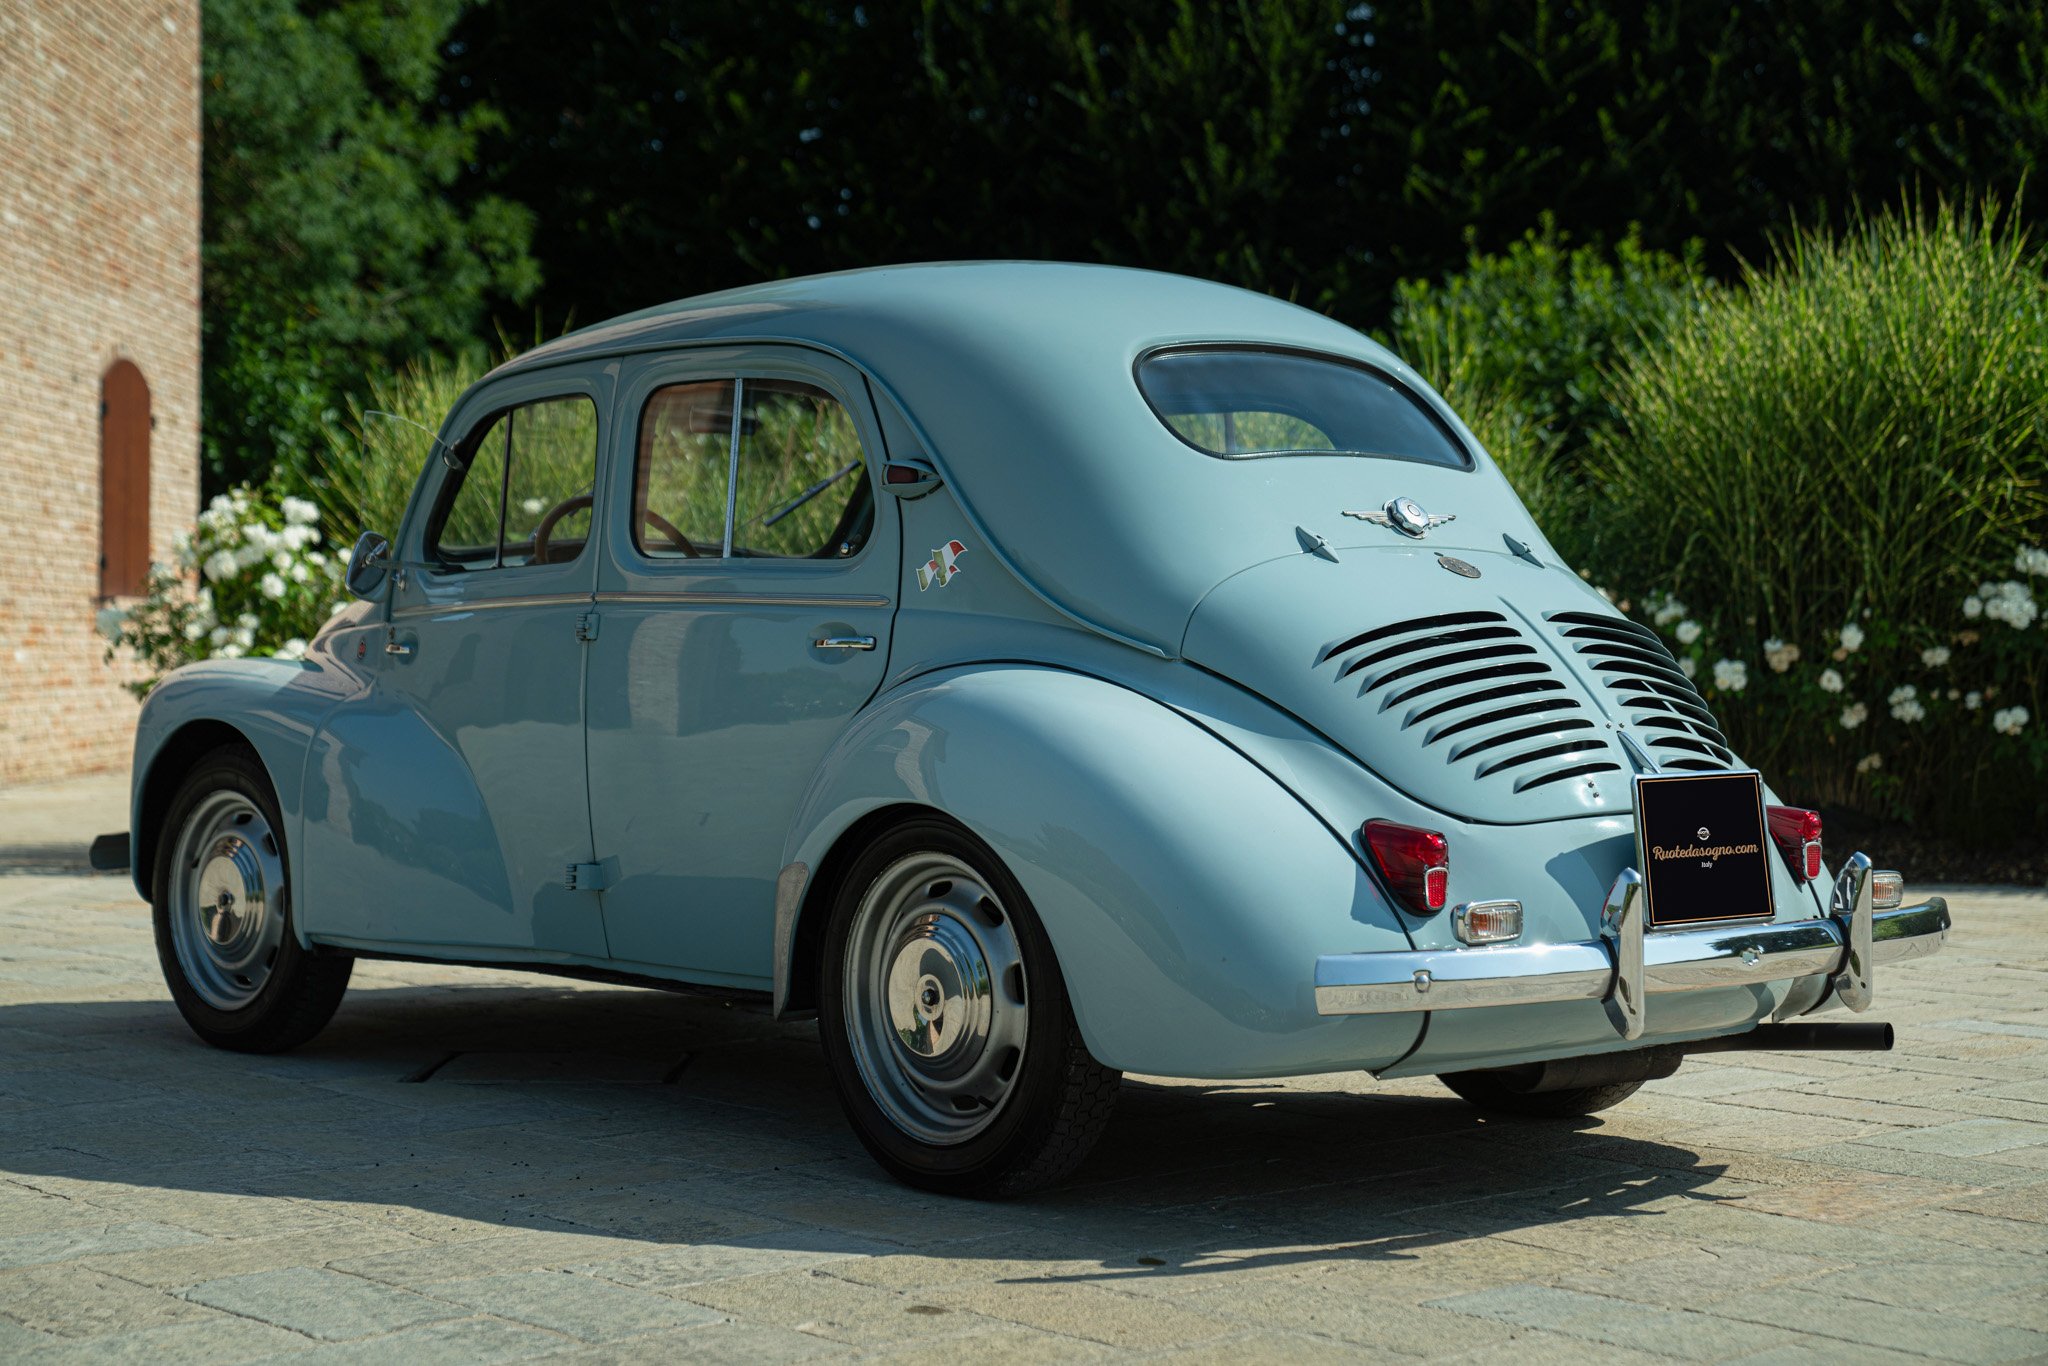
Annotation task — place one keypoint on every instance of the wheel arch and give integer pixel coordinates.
(167, 766)
(1186, 892)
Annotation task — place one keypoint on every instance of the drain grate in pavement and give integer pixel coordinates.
(527, 1069)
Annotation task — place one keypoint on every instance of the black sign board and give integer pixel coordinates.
(1700, 845)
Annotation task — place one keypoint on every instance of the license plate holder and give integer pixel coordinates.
(1701, 847)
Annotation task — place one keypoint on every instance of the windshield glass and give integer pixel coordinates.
(1242, 402)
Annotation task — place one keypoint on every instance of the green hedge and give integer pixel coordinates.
(1826, 484)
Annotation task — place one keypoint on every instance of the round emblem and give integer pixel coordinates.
(1702, 833)
(1458, 566)
(1407, 515)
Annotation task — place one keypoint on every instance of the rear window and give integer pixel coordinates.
(1241, 402)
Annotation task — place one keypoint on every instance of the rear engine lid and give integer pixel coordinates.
(1501, 697)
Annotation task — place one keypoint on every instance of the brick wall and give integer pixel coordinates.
(99, 260)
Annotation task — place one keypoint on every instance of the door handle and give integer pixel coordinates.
(844, 643)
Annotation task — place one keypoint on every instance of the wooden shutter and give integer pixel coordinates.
(124, 481)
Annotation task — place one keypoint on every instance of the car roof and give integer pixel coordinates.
(1017, 377)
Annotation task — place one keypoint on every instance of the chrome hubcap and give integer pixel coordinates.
(227, 914)
(934, 990)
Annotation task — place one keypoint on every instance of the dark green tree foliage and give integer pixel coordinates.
(331, 249)
(1310, 148)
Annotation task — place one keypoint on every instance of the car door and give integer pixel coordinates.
(744, 604)
(452, 797)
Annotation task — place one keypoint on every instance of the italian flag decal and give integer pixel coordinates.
(941, 567)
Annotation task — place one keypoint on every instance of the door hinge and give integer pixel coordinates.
(585, 877)
(586, 626)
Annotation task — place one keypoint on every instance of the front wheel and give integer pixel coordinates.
(946, 1022)
(222, 911)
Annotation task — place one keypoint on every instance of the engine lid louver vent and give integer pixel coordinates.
(1662, 706)
(1472, 688)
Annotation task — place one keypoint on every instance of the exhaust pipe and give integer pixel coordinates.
(1856, 1037)
(1654, 1064)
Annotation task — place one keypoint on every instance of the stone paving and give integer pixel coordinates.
(483, 1166)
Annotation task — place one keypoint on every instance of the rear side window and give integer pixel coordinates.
(1240, 402)
(523, 494)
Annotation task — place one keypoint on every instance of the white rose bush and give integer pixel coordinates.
(252, 579)
(1868, 706)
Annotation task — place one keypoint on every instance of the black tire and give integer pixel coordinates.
(1058, 1097)
(300, 991)
(1492, 1092)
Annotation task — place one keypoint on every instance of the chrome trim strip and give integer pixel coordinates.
(654, 598)
(1673, 960)
(436, 609)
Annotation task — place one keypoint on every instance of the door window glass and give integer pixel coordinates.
(549, 487)
(680, 478)
(803, 487)
(523, 494)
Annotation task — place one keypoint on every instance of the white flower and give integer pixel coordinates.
(245, 637)
(108, 620)
(337, 609)
(281, 561)
(1854, 715)
(1973, 607)
(195, 629)
(221, 564)
(221, 505)
(1954, 693)
(1906, 705)
(1934, 656)
(1687, 632)
(231, 651)
(2031, 560)
(299, 537)
(2011, 602)
(1852, 637)
(181, 550)
(292, 649)
(247, 621)
(1779, 655)
(218, 636)
(316, 559)
(1668, 611)
(299, 572)
(1973, 700)
(1830, 681)
(1689, 666)
(299, 512)
(2009, 720)
(1731, 675)
(1870, 763)
(534, 505)
(272, 586)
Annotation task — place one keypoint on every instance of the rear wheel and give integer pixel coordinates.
(222, 911)
(946, 1022)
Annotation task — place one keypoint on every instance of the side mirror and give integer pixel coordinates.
(368, 565)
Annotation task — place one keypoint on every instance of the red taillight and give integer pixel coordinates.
(1796, 831)
(1415, 862)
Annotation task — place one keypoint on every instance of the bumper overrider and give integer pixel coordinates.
(1625, 966)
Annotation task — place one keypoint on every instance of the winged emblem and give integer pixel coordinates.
(1406, 516)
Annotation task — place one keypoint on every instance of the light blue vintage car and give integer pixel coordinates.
(1038, 672)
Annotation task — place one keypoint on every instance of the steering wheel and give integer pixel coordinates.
(555, 514)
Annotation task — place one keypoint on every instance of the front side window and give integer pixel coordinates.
(1240, 402)
(801, 490)
(523, 494)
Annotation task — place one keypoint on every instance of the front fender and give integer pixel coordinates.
(272, 705)
(1185, 892)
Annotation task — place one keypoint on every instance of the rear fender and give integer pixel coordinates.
(1187, 894)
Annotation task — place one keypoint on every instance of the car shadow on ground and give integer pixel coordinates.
(675, 1120)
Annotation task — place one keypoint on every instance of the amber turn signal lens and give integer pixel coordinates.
(1796, 832)
(1415, 862)
(1887, 889)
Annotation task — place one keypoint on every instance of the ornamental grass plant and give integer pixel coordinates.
(1830, 490)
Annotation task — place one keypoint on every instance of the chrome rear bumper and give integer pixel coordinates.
(1625, 965)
